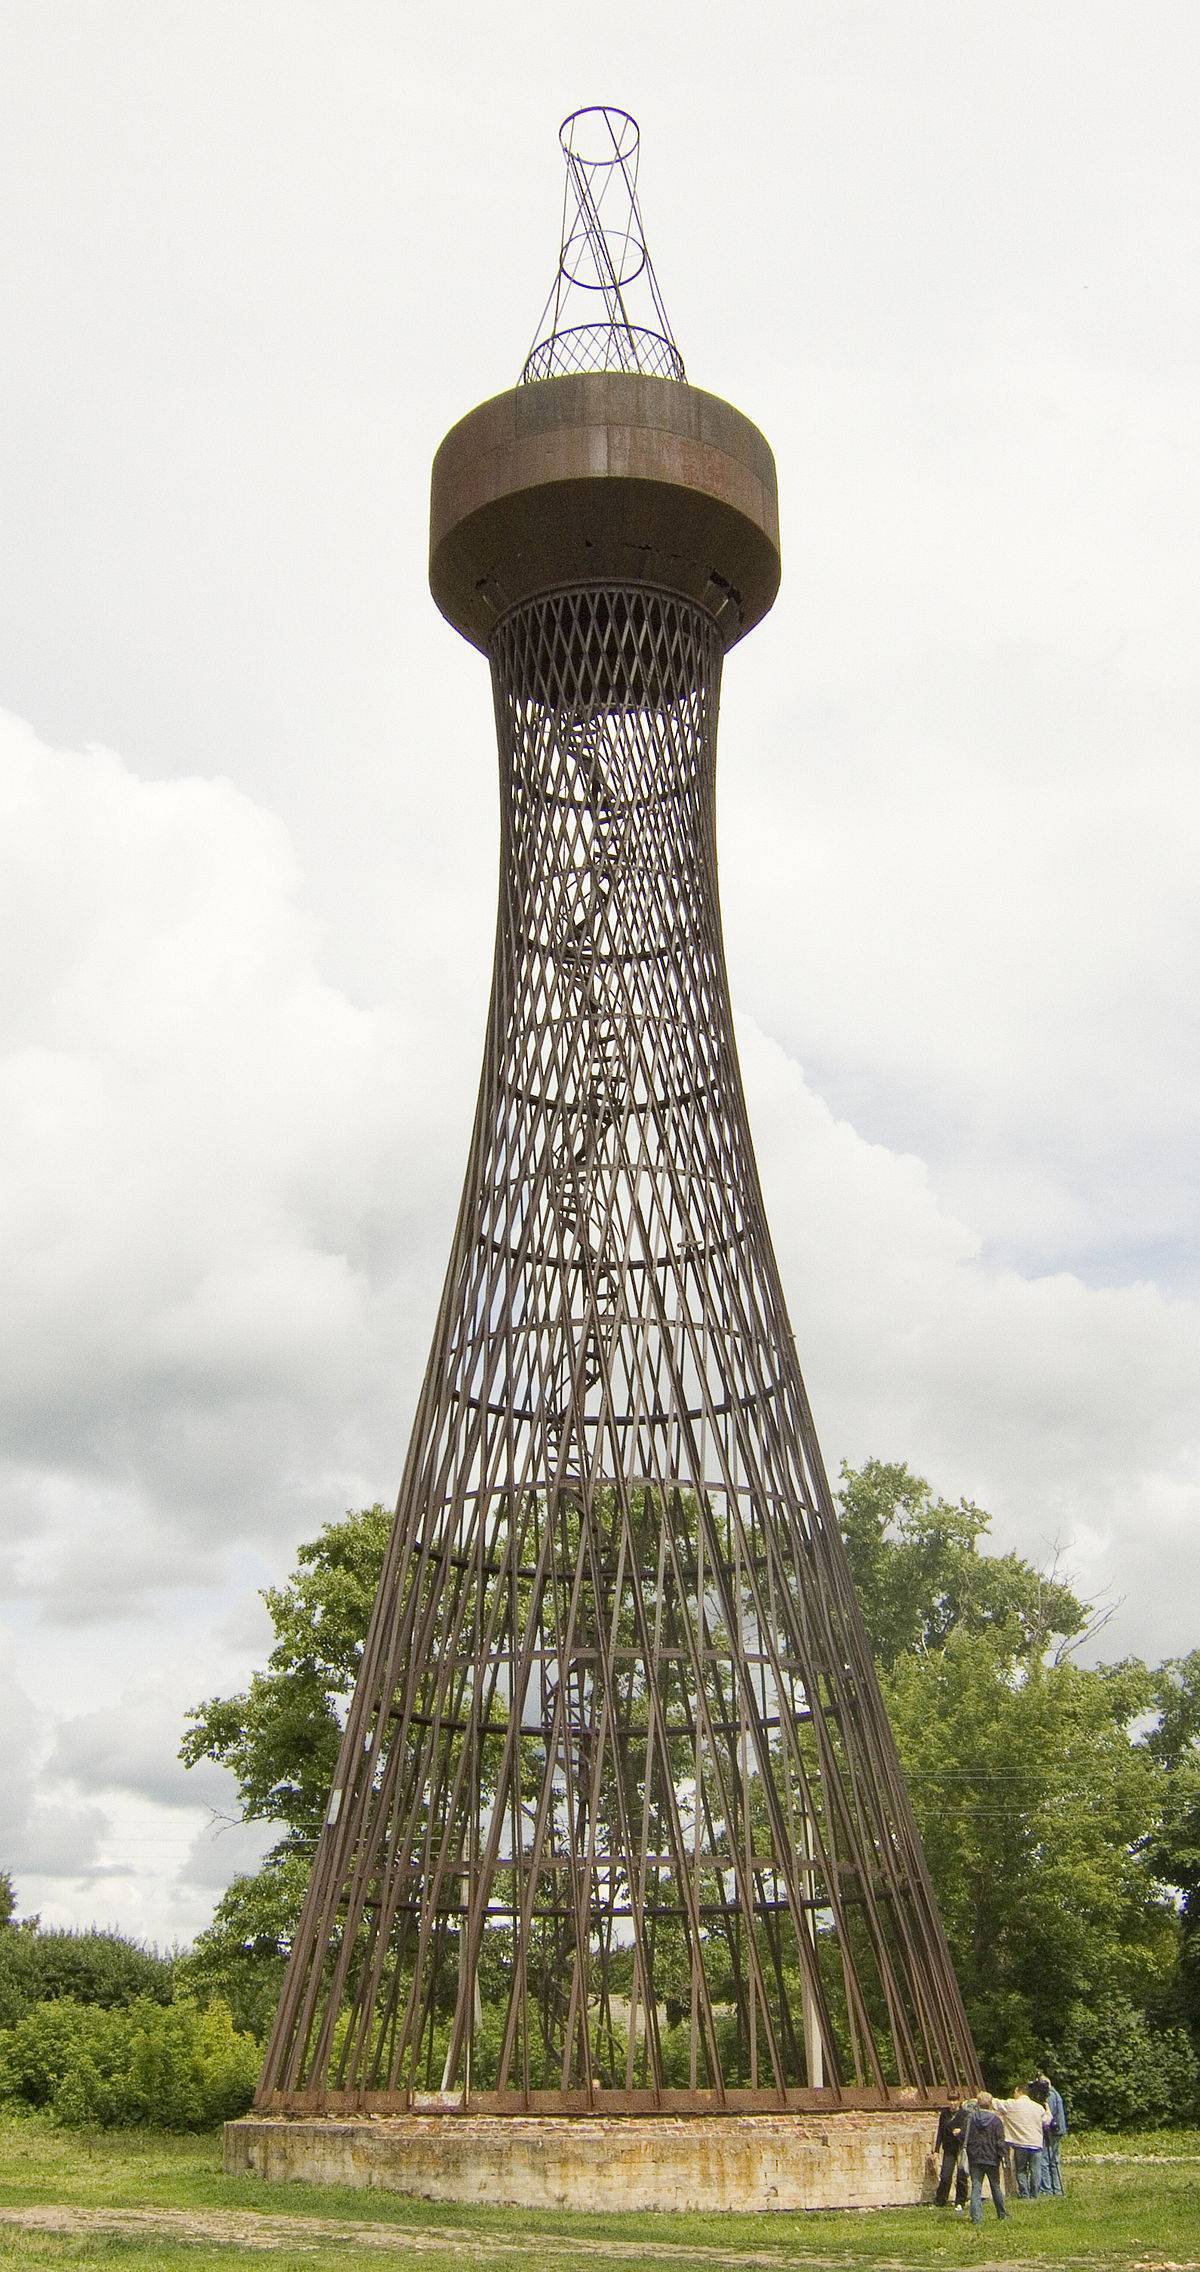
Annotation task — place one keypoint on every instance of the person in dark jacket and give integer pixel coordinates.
(953, 2124)
(985, 2156)
(1050, 2175)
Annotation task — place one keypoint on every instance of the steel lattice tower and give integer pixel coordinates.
(618, 1820)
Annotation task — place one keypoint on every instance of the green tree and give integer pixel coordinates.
(1173, 1849)
(1054, 1827)
(1033, 1796)
(280, 1737)
(920, 1575)
(240, 1957)
(88, 1967)
(1120, 2073)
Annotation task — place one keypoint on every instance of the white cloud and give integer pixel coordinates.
(132, 1745)
(960, 890)
(205, 1159)
(223, 1850)
(1069, 1411)
(102, 1822)
(44, 1836)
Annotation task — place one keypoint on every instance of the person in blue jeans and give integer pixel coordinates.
(1039, 2091)
(1050, 2179)
(1025, 2128)
(985, 2156)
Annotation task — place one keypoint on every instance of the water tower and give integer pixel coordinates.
(619, 1898)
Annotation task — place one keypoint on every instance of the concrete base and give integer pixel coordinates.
(592, 2162)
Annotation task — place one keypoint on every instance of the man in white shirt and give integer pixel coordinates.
(1024, 2129)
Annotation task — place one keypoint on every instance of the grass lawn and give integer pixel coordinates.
(1120, 2213)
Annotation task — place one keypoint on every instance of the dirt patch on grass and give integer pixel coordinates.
(248, 2228)
(301, 2235)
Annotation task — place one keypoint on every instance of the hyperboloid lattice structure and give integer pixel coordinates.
(618, 1821)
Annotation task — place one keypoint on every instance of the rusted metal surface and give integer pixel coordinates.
(618, 1821)
(598, 2100)
(603, 478)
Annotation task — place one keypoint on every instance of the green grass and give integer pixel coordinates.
(1117, 2214)
(1101, 2145)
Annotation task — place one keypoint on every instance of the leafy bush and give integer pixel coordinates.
(1118, 2072)
(39, 1967)
(172, 2067)
(40, 2049)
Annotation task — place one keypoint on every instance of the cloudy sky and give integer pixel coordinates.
(257, 255)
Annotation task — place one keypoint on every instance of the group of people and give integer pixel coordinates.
(977, 2138)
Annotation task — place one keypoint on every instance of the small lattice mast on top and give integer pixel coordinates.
(618, 1822)
(604, 311)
